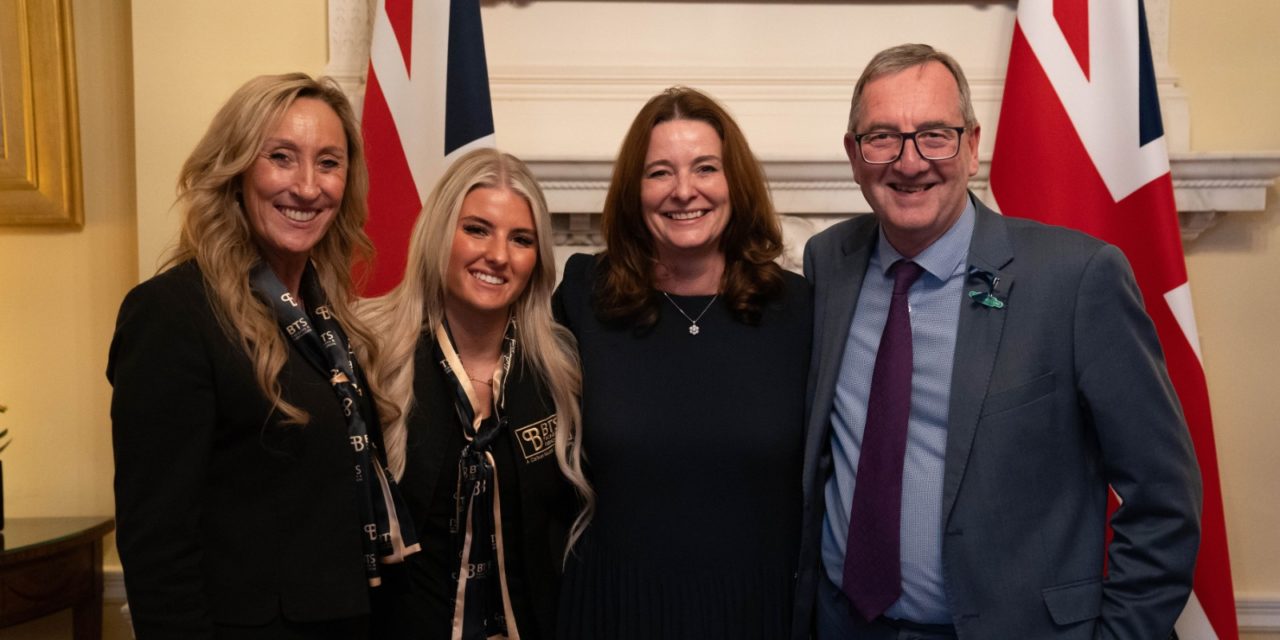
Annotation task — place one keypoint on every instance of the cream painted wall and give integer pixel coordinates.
(188, 59)
(1228, 61)
(59, 292)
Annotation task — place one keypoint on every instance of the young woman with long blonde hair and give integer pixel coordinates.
(487, 385)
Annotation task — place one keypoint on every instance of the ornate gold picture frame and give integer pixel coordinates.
(39, 118)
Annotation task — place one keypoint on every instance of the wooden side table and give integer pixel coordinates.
(50, 564)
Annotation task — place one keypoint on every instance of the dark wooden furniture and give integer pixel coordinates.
(49, 564)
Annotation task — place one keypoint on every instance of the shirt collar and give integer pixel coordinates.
(944, 256)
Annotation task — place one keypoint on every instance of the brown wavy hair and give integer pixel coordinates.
(216, 232)
(752, 239)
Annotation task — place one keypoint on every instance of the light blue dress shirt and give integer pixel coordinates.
(934, 301)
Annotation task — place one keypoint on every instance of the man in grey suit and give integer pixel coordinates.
(1032, 380)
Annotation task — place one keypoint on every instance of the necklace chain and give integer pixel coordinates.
(694, 329)
(467, 371)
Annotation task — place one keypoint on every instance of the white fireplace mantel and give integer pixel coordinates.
(1206, 186)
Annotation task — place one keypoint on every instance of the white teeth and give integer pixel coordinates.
(910, 189)
(298, 215)
(484, 277)
(686, 215)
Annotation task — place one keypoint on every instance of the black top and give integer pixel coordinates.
(694, 449)
(538, 505)
(224, 514)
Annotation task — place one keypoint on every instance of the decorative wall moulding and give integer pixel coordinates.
(1206, 186)
(349, 33)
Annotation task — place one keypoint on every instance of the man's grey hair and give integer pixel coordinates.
(901, 58)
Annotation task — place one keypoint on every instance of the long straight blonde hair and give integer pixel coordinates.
(415, 308)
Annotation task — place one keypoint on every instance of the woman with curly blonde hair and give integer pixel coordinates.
(252, 500)
(487, 387)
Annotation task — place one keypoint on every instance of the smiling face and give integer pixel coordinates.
(684, 194)
(493, 255)
(916, 200)
(293, 191)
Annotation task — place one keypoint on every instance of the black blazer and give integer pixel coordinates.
(223, 513)
(546, 501)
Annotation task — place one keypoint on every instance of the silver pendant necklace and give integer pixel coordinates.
(694, 329)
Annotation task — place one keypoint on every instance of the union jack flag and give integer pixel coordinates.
(1081, 144)
(426, 103)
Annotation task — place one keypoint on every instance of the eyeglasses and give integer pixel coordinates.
(884, 147)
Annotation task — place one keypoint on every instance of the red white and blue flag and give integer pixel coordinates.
(426, 103)
(1081, 144)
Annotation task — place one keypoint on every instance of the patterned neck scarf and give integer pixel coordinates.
(482, 605)
(315, 332)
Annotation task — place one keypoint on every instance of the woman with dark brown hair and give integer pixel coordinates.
(695, 350)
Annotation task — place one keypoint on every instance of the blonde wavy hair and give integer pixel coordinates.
(415, 308)
(216, 232)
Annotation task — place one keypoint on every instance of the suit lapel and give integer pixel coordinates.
(842, 297)
(977, 343)
(837, 297)
(439, 421)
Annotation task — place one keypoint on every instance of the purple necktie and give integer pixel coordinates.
(872, 567)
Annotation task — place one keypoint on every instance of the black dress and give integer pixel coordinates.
(694, 447)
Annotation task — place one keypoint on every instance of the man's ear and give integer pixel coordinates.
(972, 150)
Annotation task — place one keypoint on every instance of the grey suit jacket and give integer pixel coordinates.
(1054, 397)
